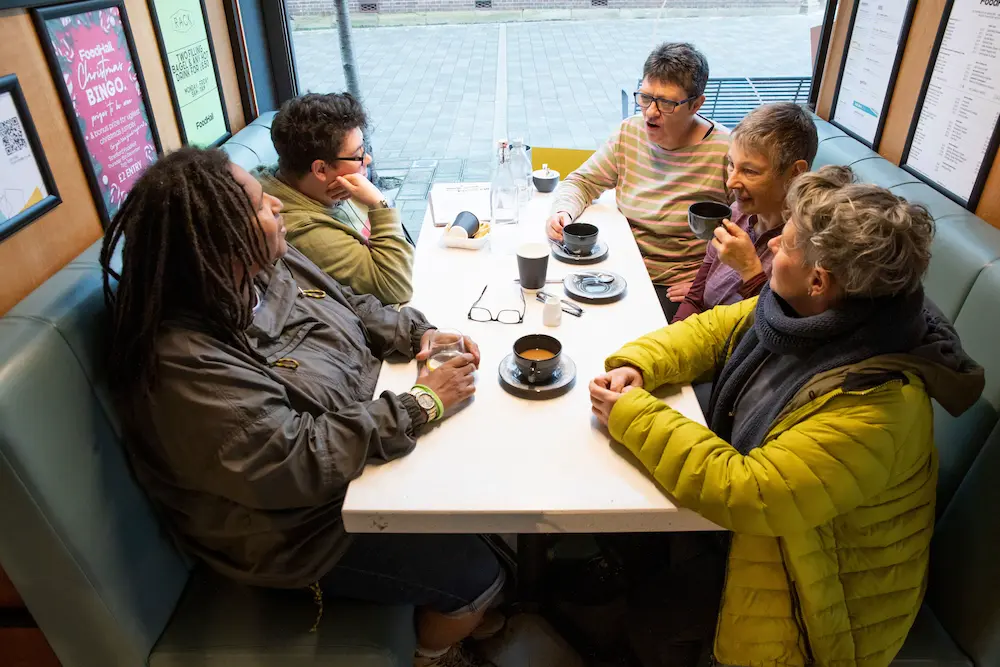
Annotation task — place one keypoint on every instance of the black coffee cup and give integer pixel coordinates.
(467, 221)
(580, 237)
(532, 264)
(536, 371)
(705, 216)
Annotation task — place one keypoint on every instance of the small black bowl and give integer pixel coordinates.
(580, 238)
(535, 371)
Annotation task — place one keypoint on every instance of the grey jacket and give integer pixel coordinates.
(249, 455)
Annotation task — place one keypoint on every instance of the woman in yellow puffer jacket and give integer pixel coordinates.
(819, 454)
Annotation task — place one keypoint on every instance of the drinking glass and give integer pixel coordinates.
(446, 344)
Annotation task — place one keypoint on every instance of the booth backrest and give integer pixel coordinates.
(963, 280)
(89, 557)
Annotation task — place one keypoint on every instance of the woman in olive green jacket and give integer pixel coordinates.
(819, 457)
(334, 215)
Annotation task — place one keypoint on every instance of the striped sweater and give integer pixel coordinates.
(653, 187)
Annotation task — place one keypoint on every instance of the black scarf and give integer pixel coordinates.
(854, 330)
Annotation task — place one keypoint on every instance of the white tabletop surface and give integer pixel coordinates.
(509, 465)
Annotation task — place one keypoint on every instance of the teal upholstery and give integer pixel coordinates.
(842, 150)
(252, 145)
(959, 625)
(965, 560)
(82, 544)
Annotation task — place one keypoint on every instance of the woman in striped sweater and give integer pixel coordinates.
(659, 163)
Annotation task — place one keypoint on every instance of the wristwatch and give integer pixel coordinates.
(427, 402)
(381, 204)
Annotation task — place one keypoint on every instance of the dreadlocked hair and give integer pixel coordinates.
(189, 229)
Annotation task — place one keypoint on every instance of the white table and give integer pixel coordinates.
(510, 465)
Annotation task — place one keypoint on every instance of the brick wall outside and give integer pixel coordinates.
(327, 7)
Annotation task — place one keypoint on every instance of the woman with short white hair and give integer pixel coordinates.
(819, 454)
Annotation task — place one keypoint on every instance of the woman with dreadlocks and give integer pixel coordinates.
(245, 377)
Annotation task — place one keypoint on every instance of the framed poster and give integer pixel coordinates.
(92, 57)
(953, 136)
(875, 39)
(27, 189)
(195, 88)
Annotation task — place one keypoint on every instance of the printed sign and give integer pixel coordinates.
(185, 46)
(96, 69)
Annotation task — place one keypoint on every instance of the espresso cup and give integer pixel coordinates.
(532, 264)
(580, 237)
(536, 371)
(705, 216)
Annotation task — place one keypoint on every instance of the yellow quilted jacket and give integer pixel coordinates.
(831, 517)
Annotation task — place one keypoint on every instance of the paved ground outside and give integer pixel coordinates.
(438, 95)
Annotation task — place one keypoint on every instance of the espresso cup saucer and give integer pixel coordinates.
(562, 380)
(595, 286)
(597, 253)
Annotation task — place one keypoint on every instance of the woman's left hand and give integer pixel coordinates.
(603, 399)
(425, 347)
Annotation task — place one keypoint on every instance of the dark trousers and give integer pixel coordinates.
(451, 574)
(669, 307)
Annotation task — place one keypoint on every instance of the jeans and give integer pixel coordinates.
(451, 574)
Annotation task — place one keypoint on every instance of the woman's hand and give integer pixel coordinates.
(736, 250)
(355, 186)
(452, 381)
(555, 224)
(605, 390)
(676, 293)
(425, 347)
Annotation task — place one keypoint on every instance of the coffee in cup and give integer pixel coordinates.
(532, 265)
(705, 216)
(580, 237)
(537, 356)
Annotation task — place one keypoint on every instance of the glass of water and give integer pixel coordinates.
(446, 344)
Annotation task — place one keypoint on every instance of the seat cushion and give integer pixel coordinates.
(841, 150)
(963, 246)
(960, 439)
(928, 645)
(921, 193)
(77, 536)
(826, 130)
(222, 624)
(257, 139)
(880, 171)
(965, 561)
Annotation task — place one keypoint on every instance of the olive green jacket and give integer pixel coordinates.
(332, 238)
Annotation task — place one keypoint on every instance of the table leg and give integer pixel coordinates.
(530, 564)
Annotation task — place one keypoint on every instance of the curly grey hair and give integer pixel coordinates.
(872, 242)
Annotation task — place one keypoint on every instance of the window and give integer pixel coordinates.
(441, 83)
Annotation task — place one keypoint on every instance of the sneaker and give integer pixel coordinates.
(491, 625)
(456, 656)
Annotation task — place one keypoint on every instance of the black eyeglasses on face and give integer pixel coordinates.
(364, 154)
(664, 105)
(479, 314)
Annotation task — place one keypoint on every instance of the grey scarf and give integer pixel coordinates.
(855, 330)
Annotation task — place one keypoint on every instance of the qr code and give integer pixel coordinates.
(12, 135)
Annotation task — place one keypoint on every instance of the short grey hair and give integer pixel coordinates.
(872, 242)
(783, 131)
(678, 63)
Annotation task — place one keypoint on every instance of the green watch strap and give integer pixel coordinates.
(437, 401)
